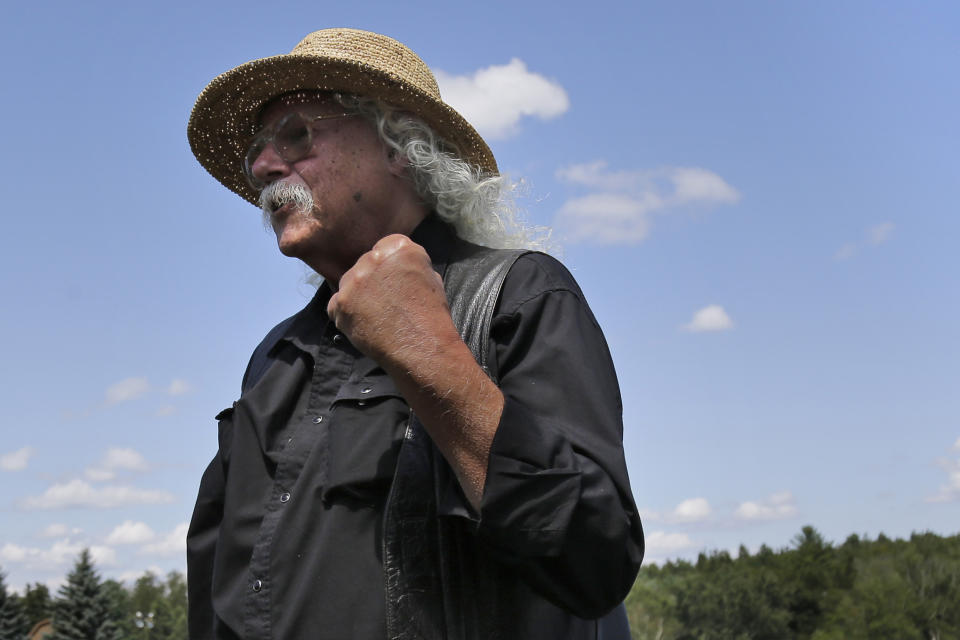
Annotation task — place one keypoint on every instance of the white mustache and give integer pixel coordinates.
(277, 194)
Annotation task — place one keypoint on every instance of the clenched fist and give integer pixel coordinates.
(391, 304)
(392, 307)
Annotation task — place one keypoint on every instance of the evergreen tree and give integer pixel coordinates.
(82, 612)
(13, 624)
(37, 604)
(118, 599)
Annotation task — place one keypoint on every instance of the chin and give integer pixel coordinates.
(288, 243)
(290, 249)
(292, 239)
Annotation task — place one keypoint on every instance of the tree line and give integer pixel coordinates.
(88, 608)
(862, 589)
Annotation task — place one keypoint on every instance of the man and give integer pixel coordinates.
(373, 480)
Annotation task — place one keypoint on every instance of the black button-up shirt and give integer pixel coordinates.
(286, 537)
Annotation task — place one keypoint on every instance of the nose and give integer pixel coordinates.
(269, 166)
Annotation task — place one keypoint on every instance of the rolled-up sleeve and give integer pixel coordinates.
(557, 503)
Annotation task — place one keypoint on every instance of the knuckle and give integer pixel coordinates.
(389, 242)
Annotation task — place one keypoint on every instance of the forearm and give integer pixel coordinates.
(456, 401)
(392, 306)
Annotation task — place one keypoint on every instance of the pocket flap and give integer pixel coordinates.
(372, 386)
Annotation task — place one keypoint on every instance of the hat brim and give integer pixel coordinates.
(225, 116)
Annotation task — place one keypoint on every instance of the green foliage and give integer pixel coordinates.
(13, 624)
(728, 602)
(162, 604)
(176, 600)
(861, 590)
(87, 609)
(118, 603)
(37, 604)
(650, 609)
(82, 612)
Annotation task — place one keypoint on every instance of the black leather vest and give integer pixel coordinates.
(438, 584)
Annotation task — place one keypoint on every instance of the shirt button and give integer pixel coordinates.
(338, 338)
(285, 496)
(366, 390)
(318, 420)
(257, 585)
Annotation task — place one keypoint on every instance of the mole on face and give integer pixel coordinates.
(357, 197)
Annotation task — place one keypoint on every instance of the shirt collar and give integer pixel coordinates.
(438, 238)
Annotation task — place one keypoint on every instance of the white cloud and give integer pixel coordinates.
(164, 411)
(660, 543)
(692, 510)
(16, 460)
(172, 544)
(879, 234)
(13, 553)
(103, 556)
(58, 530)
(61, 553)
(619, 210)
(179, 387)
(710, 318)
(99, 475)
(496, 98)
(127, 389)
(776, 507)
(689, 511)
(666, 186)
(693, 185)
(78, 493)
(129, 459)
(116, 459)
(131, 532)
(604, 218)
(54, 531)
(949, 492)
(595, 175)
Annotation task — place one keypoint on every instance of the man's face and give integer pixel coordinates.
(349, 174)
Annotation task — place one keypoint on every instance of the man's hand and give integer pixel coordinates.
(391, 304)
(392, 307)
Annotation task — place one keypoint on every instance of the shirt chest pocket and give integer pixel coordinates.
(368, 420)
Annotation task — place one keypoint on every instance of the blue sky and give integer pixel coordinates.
(758, 199)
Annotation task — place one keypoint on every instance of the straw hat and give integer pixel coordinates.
(224, 119)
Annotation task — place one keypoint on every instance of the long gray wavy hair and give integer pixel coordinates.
(481, 208)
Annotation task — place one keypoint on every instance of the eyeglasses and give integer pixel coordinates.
(291, 137)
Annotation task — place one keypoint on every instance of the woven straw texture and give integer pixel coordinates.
(224, 118)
